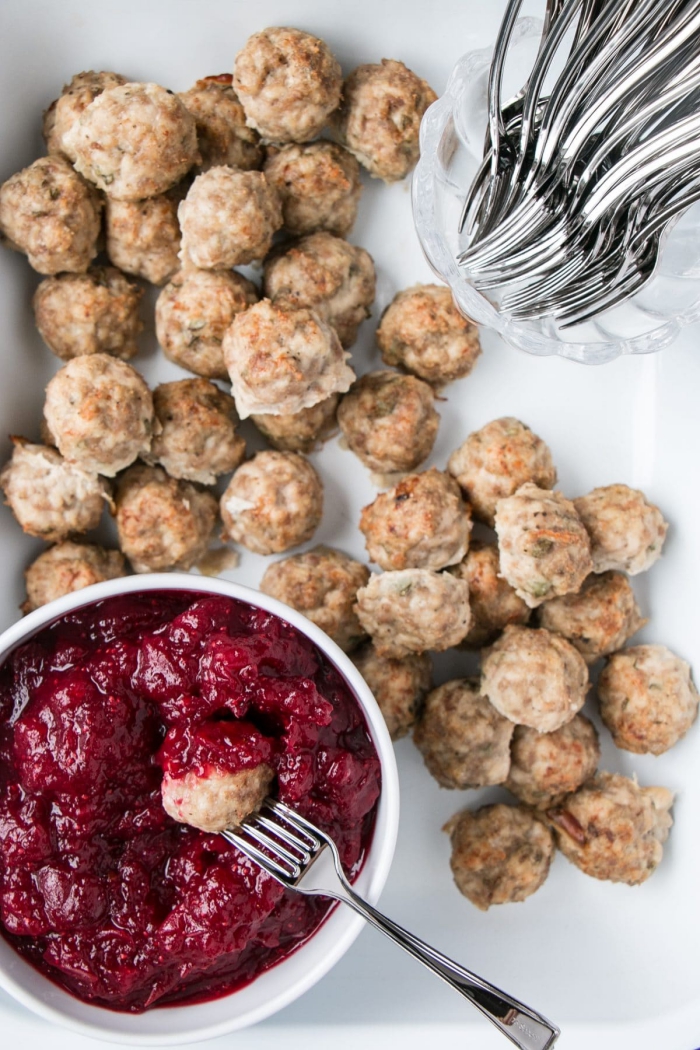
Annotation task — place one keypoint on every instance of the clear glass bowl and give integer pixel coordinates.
(452, 141)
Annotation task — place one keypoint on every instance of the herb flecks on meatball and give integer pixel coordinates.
(496, 460)
(67, 109)
(69, 567)
(534, 678)
(648, 699)
(399, 685)
(500, 854)
(545, 767)
(611, 828)
(319, 186)
(223, 136)
(379, 118)
(544, 549)
(288, 83)
(599, 619)
(322, 584)
(300, 431)
(627, 532)
(494, 604)
(325, 274)
(465, 742)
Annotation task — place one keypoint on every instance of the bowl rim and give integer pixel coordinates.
(341, 927)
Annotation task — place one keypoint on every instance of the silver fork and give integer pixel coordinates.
(302, 857)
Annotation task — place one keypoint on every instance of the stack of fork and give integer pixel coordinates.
(579, 185)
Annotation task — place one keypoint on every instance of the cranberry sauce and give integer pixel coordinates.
(99, 888)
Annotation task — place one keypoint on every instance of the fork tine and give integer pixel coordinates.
(277, 871)
(252, 829)
(282, 832)
(304, 827)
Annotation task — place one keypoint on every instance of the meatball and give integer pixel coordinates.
(322, 584)
(464, 741)
(496, 461)
(143, 237)
(647, 699)
(50, 497)
(379, 118)
(68, 108)
(599, 619)
(535, 678)
(69, 567)
(218, 800)
(288, 82)
(413, 611)
(133, 141)
(319, 186)
(300, 431)
(398, 684)
(52, 215)
(612, 828)
(100, 413)
(197, 439)
(281, 360)
(192, 314)
(222, 134)
(544, 767)
(627, 532)
(494, 603)
(422, 331)
(421, 523)
(327, 275)
(500, 854)
(228, 218)
(90, 313)
(273, 502)
(162, 523)
(544, 549)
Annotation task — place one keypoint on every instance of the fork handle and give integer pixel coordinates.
(523, 1026)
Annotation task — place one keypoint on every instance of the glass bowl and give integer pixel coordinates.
(452, 142)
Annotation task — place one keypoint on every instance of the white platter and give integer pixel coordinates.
(617, 968)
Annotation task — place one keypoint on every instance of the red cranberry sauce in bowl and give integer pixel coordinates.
(100, 889)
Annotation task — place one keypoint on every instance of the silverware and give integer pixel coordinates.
(303, 858)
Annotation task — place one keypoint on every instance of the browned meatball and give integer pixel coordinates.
(228, 218)
(627, 532)
(67, 109)
(216, 799)
(162, 523)
(648, 699)
(379, 118)
(281, 360)
(322, 584)
(599, 619)
(327, 275)
(544, 549)
(90, 313)
(52, 215)
(613, 829)
(497, 460)
(494, 604)
(192, 314)
(421, 523)
(464, 741)
(143, 237)
(389, 421)
(300, 431)
(69, 567)
(413, 611)
(422, 331)
(500, 854)
(50, 497)
(197, 439)
(544, 767)
(534, 678)
(100, 413)
(133, 141)
(398, 685)
(273, 502)
(223, 136)
(319, 186)
(288, 82)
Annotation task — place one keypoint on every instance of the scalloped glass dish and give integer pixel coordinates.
(452, 138)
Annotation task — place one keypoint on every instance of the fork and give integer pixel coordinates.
(302, 857)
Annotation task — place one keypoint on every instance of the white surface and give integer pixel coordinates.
(617, 968)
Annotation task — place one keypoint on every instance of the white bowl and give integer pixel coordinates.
(172, 1025)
